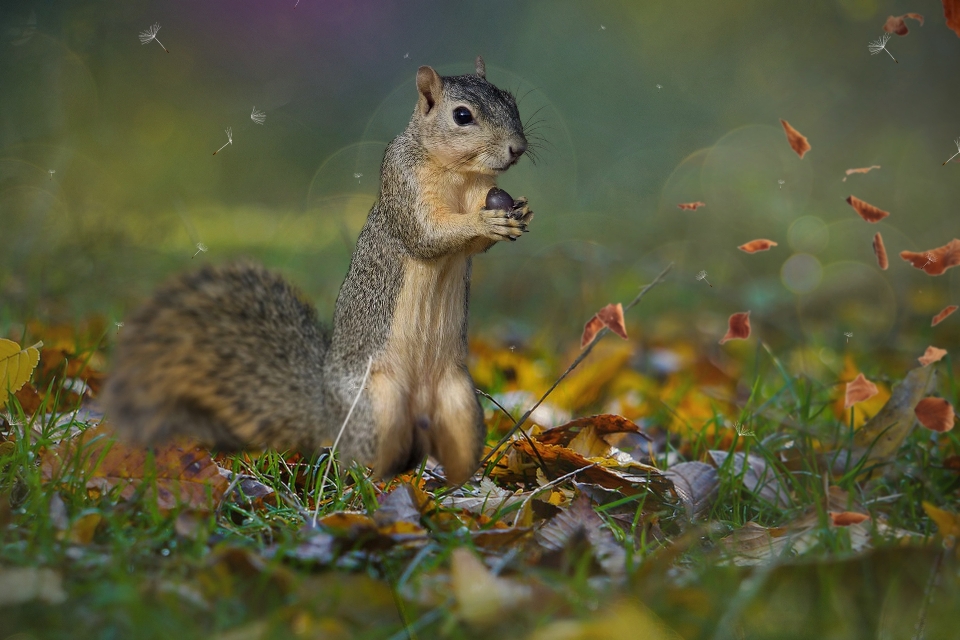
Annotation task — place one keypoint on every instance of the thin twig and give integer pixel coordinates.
(580, 358)
(543, 464)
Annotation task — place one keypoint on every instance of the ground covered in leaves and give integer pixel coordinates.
(661, 490)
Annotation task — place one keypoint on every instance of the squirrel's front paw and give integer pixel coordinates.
(506, 224)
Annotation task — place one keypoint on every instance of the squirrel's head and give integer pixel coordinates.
(467, 123)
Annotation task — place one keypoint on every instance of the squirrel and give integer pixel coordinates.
(234, 357)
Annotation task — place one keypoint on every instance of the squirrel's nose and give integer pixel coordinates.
(517, 148)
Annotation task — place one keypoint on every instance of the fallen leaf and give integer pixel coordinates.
(599, 436)
(860, 170)
(753, 544)
(797, 141)
(951, 11)
(880, 251)
(580, 520)
(488, 499)
(83, 528)
(691, 206)
(858, 390)
(757, 476)
(948, 524)
(866, 210)
(935, 261)
(935, 414)
(895, 24)
(931, 355)
(697, 484)
(16, 365)
(847, 518)
(738, 327)
(19, 585)
(940, 317)
(611, 317)
(627, 618)
(481, 597)
(398, 512)
(759, 244)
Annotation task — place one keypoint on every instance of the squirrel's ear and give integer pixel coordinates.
(429, 85)
(481, 68)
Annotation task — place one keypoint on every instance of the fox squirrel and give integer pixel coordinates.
(233, 357)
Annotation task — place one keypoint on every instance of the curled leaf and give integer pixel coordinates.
(935, 261)
(858, 390)
(951, 11)
(611, 317)
(940, 317)
(760, 244)
(738, 327)
(691, 206)
(847, 518)
(895, 24)
(798, 142)
(880, 251)
(931, 355)
(935, 414)
(850, 172)
(866, 210)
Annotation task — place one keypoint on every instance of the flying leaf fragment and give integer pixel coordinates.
(481, 597)
(738, 327)
(880, 251)
(798, 142)
(850, 172)
(760, 244)
(847, 518)
(951, 11)
(935, 261)
(691, 206)
(931, 355)
(611, 317)
(866, 210)
(895, 24)
(935, 414)
(858, 390)
(16, 365)
(940, 317)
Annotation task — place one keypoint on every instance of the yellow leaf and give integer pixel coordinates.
(16, 365)
(948, 524)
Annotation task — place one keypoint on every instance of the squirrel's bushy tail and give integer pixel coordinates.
(230, 356)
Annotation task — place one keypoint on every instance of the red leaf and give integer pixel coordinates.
(935, 261)
(691, 206)
(611, 317)
(738, 327)
(858, 390)
(951, 11)
(866, 210)
(931, 355)
(935, 414)
(860, 170)
(759, 244)
(881, 251)
(798, 142)
(940, 317)
(895, 24)
(847, 518)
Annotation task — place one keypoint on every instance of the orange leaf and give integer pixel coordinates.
(895, 24)
(951, 11)
(611, 317)
(738, 327)
(858, 390)
(860, 170)
(692, 206)
(866, 210)
(881, 251)
(935, 261)
(931, 355)
(760, 244)
(847, 518)
(798, 142)
(940, 317)
(935, 414)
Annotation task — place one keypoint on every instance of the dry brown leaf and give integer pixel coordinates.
(880, 251)
(798, 142)
(738, 327)
(697, 485)
(935, 414)
(850, 172)
(931, 355)
(895, 24)
(858, 390)
(951, 11)
(935, 261)
(760, 244)
(580, 520)
(847, 518)
(180, 474)
(940, 317)
(691, 206)
(611, 317)
(866, 210)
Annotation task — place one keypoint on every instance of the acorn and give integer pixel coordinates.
(499, 199)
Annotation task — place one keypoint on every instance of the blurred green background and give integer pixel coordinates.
(642, 105)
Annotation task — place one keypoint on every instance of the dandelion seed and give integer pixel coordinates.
(781, 182)
(151, 34)
(201, 248)
(602, 28)
(849, 335)
(956, 142)
(703, 276)
(406, 55)
(743, 431)
(229, 131)
(881, 45)
(659, 86)
(258, 116)
(118, 325)
(53, 171)
(358, 176)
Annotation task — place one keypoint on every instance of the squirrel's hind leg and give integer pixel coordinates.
(457, 431)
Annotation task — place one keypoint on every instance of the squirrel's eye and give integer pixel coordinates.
(462, 116)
